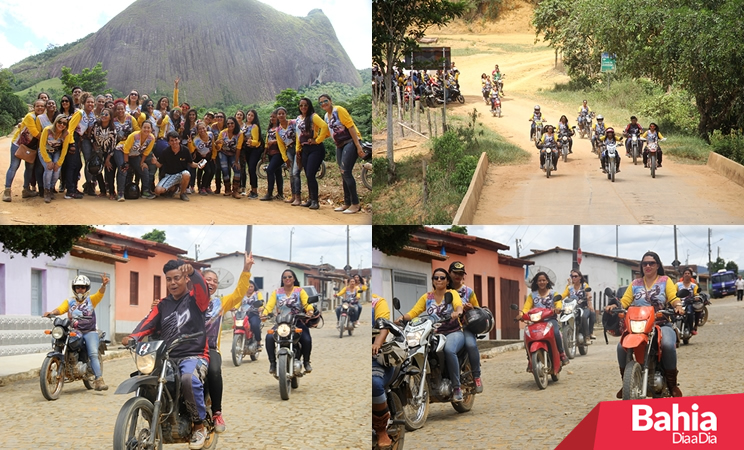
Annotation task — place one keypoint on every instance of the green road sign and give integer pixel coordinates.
(608, 62)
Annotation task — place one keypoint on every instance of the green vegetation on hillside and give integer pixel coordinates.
(12, 108)
(23, 68)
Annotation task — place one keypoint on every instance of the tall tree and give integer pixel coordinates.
(53, 240)
(731, 265)
(462, 229)
(155, 235)
(396, 25)
(390, 239)
(90, 80)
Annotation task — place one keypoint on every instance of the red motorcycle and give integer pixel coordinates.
(244, 342)
(539, 342)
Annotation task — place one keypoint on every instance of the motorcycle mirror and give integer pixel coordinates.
(258, 304)
(609, 292)
(312, 299)
(396, 303)
(448, 298)
(514, 307)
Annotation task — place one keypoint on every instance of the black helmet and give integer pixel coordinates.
(316, 321)
(132, 191)
(479, 321)
(94, 166)
(367, 149)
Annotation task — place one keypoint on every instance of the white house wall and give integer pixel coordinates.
(382, 273)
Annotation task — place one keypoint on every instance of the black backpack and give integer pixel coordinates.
(611, 322)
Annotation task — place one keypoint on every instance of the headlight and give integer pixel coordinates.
(239, 323)
(536, 317)
(413, 339)
(345, 306)
(635, 138)
(58, 332)
(283, 330)
(637, 326)
(568, 309)
(145, 364)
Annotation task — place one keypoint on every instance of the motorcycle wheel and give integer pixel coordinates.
(539, 368)
(652, 163)
(429, 102)
(569, 342)
(237, 349)
(612, 171)
(295, 382)
(284, 370)
(342, 326)
(367, 175)
(321, 170)
(635, 156)
(415, 417)
(132, 427)
(467, 399)
(548, 166)
(51, 377)
(499, 111)
(460, 98)
(261, 171)
(583, 348)
(632, 381)
(397, 432)
(254, 356)
(704, 317)
(565, 155)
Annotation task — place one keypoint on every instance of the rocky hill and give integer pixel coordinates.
(226, 51)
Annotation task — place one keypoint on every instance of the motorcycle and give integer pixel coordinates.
(610, 154)
(635, 146)
(704, 316)
(567, 320)
(539, 342)
(644, 372)
(396, 390)
(563, 143)
(344, 322)
(551, 149)
(68, 361)
(453, 94)
(652, 147)
(407, 99)
(596, 142)
(692, 304)
(261, 170)
(500, 85)
(495, 105)
(288, 349)
(367, 167)
(585, 124)
(486, 90)
(244, 342)
(431, 384)
(157, 414)
(538, 129)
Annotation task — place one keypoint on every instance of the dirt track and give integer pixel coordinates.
(578, 192)
(215, 209)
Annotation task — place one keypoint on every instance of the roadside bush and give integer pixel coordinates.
(729, 145)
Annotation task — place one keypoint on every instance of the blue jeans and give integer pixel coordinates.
(255, 322)
(193, 371)
(15, 163)
(274, 174)
(346, 158)
(354, 312)
(312, 158)
(50, 176)
(668, 349)
(471, 346)
(226, 162)
(91, 344)
(380, 377)
(455, 342)
(294, 179)
(160, 146)
(135, 168)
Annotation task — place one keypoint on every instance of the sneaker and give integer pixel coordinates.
(618, 170)
(202, 191)
(308, 367)
(148, 195)
(121, 198)
(564, 359)
(197, 438)
(219, 422)
(592, 337)
(99, 385)
(694, 332)
(658, 166)
(253, 195)
(209, 191)
(242, 192)
(627, 154)
(184, 197)
(189, 190)
(75, 195)
(272, 368)
(267, 198)
(478, 385)
(279, 197)
(457, 396)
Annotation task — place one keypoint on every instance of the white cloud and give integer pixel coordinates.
(10, 54)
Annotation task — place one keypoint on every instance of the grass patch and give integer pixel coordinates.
(687, 149)
(450, 168)
(42, 86)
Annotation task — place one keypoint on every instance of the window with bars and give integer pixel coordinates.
(156, 287)
(134, 288)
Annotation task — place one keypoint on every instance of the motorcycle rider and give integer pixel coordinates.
(213, 316)
(536, 115)
(577, 288)
(380, 374)
(80, 308)
(542, 297)
(293, 296)
(469, 301)
(547, 142)
(652, 134)
(598, 129)
(182, 312)
(563, 128)
(688, 283)
(433, 303)
(632, 128)
(609, 135)
(350, 294)
(584, 112)
(247, 305)
(496, 77)
(655, 289)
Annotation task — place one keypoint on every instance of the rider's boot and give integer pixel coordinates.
(671, 379)
(622, 377)
(99, 385)
(379, 424)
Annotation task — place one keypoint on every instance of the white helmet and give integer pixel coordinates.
(537, 107)
(600, 118)
(81, 280)
(391, 354)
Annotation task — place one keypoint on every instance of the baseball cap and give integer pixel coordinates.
(457, 266)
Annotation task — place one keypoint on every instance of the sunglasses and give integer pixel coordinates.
(288, 277)
(104, 115)
(135, 94)
(574, 276)
(303, 105)
(64, 124)
(648, 263)
(65, 101)
(220, 117)
(324, 102)
(438, 278)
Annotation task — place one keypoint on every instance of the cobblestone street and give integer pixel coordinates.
(329, 410)
(513, 413)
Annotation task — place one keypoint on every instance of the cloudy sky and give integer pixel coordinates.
(27, 27)
(309, 242)
(634, 241)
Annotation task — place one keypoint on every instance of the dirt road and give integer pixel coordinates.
(577, 192)
(215, 209)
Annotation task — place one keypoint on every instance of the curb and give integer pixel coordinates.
(492, 352)
(34, 373)
(726, 167)
(469, 204)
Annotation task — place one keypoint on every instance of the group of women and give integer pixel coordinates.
(119, 140)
